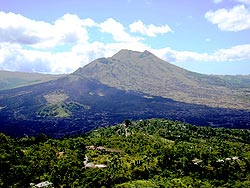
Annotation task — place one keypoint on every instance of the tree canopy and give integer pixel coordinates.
(147, 153)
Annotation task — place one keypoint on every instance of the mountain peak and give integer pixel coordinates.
(146, 54)
(130, 54)
(124, 53)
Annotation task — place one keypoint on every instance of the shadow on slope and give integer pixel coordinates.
(99, 105)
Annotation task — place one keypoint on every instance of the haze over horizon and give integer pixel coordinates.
(210, 37)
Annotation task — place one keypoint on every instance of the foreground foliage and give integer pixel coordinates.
(149, 153)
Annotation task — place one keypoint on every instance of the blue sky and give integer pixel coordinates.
(211, 37)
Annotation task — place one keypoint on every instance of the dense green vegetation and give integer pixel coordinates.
(61, 109)
(148, 153)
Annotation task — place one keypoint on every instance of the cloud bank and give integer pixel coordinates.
(235, 19)
(66, 44)
(148, 30)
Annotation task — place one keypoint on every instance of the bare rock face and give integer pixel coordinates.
(144, 72)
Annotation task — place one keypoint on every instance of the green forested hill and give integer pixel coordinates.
(146, 153)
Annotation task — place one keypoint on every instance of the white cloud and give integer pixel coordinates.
(235, 19)
(117, 30)
(15, 28)
(69, 29)
(174, 56)
(14, 57)
(29, 45)
(148, 30)
(88, 22)
(235, 53)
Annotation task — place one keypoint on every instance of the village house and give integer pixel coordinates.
(45, 184)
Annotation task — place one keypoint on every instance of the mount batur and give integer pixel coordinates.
(129, 85)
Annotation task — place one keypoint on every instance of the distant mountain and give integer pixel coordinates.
(9, 80)
(144, 72)
(129, 85)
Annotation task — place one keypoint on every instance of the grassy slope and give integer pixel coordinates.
(9, 80)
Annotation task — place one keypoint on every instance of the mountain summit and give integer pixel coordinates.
(146, 73)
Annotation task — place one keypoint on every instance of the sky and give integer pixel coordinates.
(59, 36)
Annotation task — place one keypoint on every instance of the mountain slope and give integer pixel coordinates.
(80, 102)
(9, 80)
(144, 72)
(76, 104)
